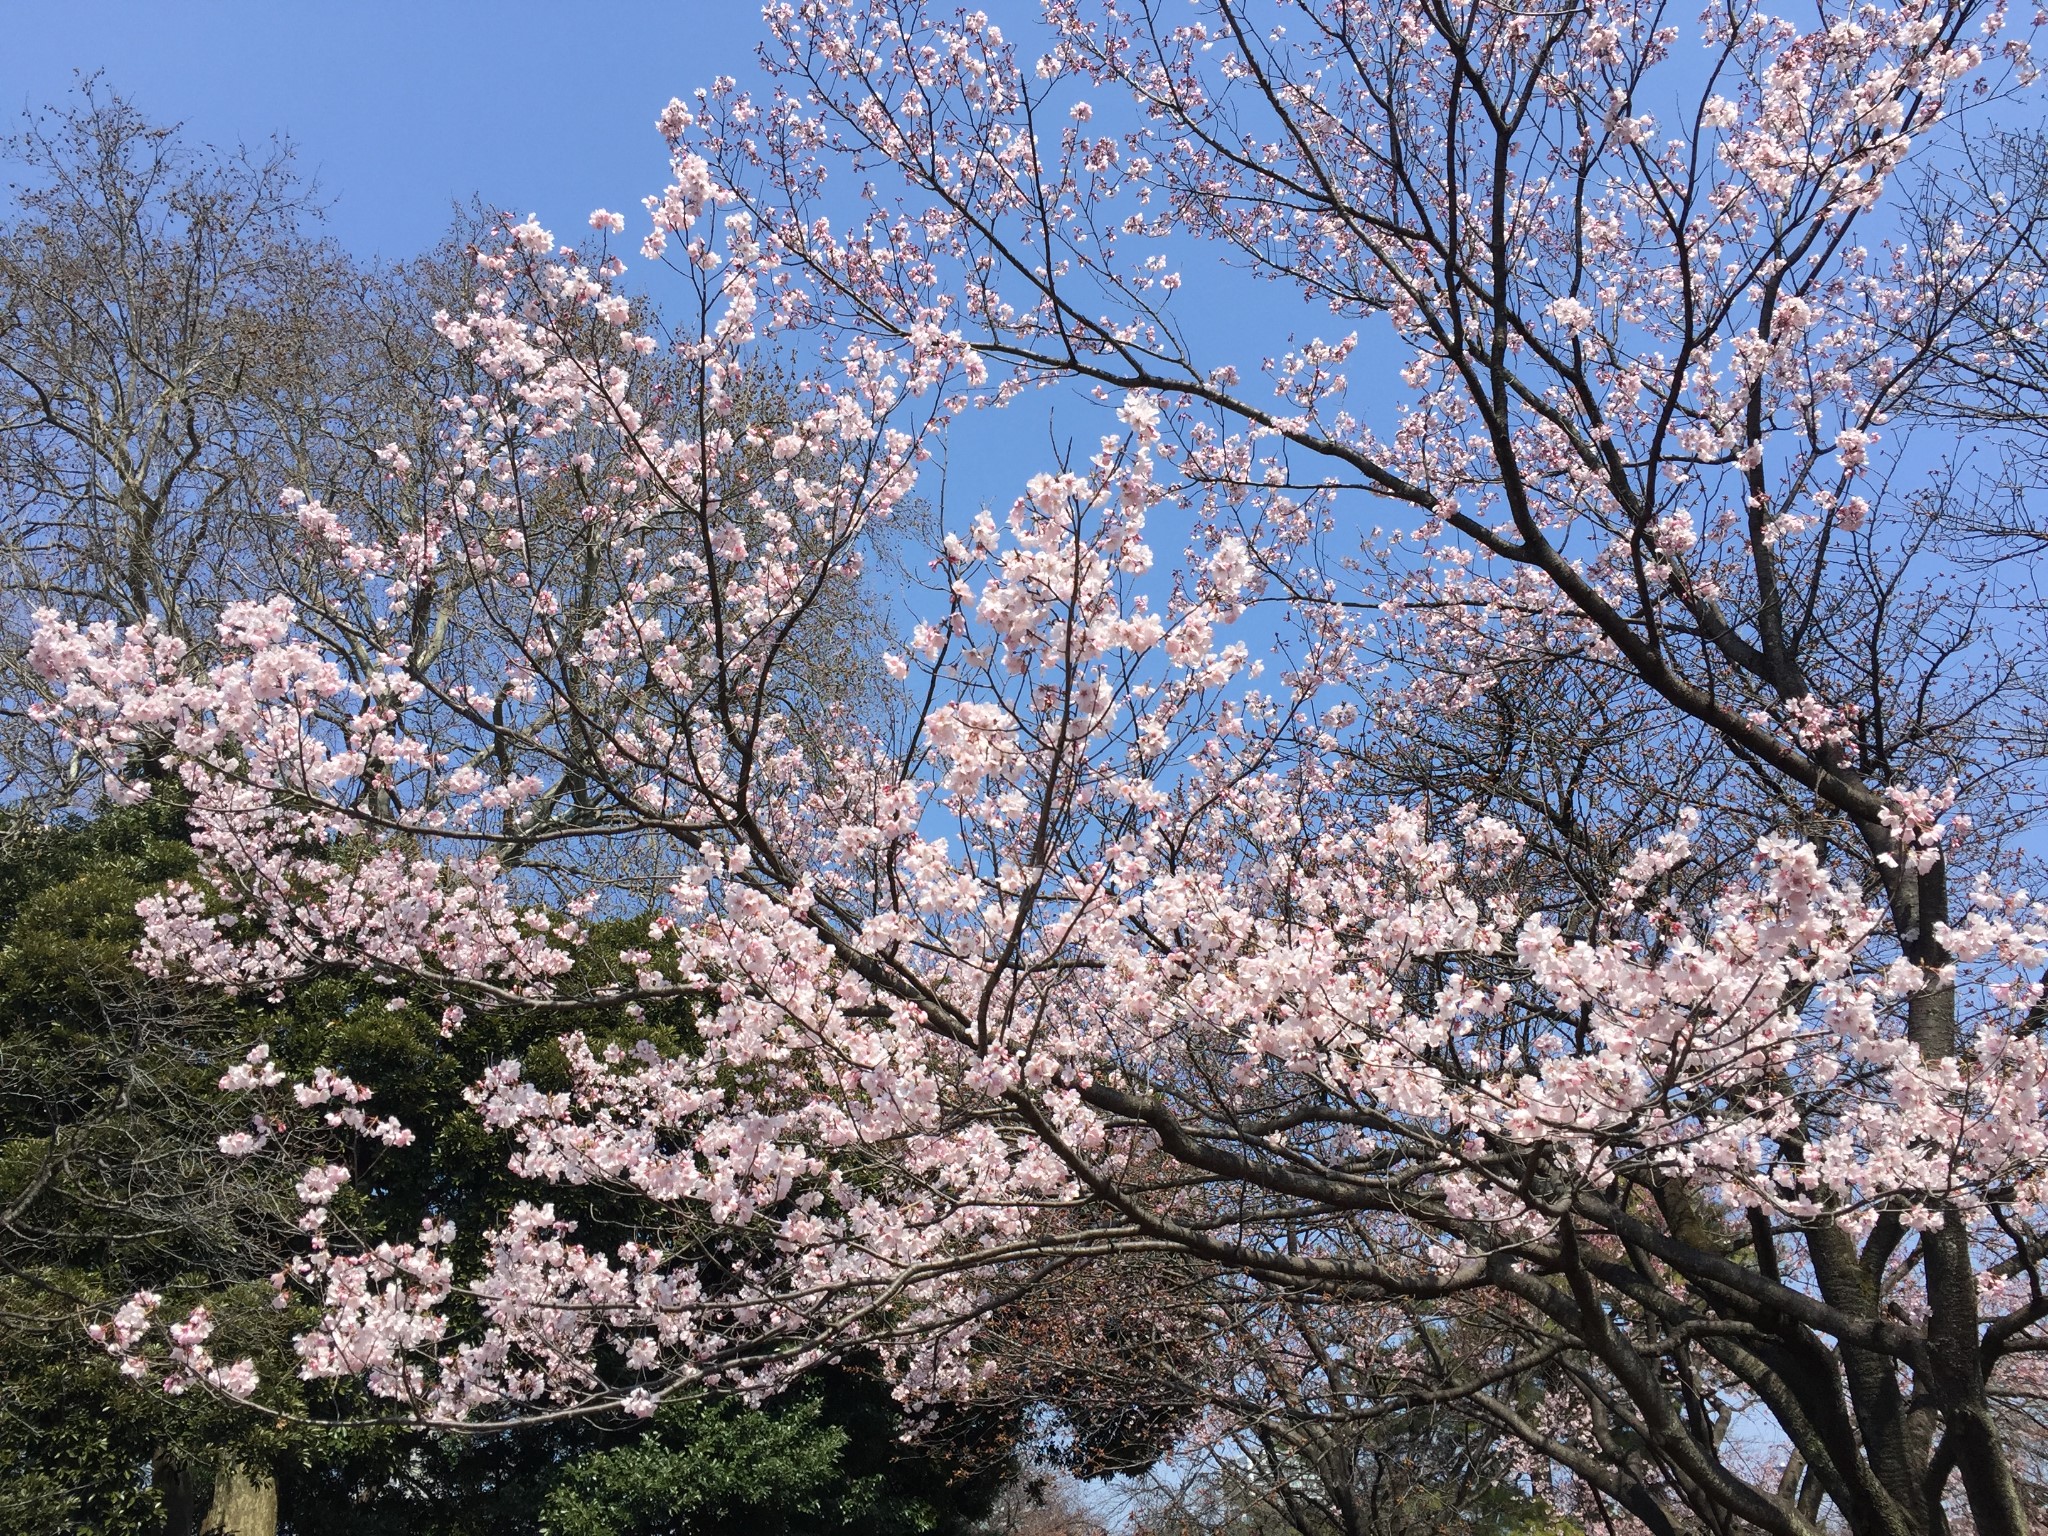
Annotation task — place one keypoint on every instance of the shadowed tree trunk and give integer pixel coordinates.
(244, 1503)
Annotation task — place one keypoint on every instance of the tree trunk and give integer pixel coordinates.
(244, 1503)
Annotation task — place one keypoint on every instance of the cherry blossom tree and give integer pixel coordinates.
(1543, 867)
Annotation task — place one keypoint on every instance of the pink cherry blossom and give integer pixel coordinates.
(1101, 929)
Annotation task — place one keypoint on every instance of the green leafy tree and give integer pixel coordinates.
(177, 343)
(109, 1183)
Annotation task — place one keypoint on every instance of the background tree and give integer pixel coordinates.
(110, 1182)
(163, 320)
(176, 345)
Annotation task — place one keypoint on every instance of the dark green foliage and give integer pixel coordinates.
(711, 1470)
(153, 291)
(72, 1443)
(824, 1462)
(109, 1182)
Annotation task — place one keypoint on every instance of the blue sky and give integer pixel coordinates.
(403, 109)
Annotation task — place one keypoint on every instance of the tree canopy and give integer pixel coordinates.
(1523, 922)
